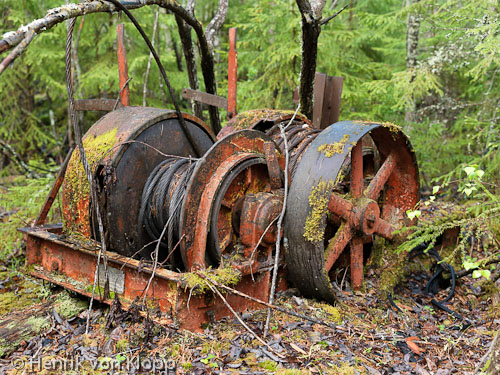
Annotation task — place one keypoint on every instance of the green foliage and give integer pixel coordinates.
(20, 203)
(478, 223)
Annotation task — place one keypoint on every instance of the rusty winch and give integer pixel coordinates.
(196, 201)
(348, 183)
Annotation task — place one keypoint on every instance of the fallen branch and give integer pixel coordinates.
(280, 222)
(216, 291)
(264, 303)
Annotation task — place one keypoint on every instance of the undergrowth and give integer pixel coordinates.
(476, 214)
(21, 199)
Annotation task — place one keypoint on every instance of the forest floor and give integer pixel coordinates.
(42, 330)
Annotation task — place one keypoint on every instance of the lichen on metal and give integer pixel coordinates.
(318, 203)
(334, 148)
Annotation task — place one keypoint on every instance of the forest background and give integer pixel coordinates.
(428, 66)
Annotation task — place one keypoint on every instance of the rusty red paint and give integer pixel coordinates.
(122, 65)
(380, 179)
(357, 170)
(218, 164)
(72, 266)
(232, 75)
(273, 166)
(337, 245)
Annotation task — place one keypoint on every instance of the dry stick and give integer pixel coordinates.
(215, 290)
(264, 303)
(485, 358)
(258, 243)
(86, 167)
(280, 223)
(120, 92)
(30, 34)
(148, 67)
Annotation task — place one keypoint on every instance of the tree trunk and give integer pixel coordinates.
(188, 49)
(311, 28)
(412, 32)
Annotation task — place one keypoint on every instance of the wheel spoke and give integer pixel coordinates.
(357, 170)
(356, 262)
(383, 174)
(336, 245)
(339, 206)
(384, 228)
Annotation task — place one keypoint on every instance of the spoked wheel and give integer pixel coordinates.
(342, 195)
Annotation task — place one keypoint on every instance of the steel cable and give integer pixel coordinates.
(161, 200)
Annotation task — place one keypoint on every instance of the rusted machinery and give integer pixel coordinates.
(175, 199)
(348, 183)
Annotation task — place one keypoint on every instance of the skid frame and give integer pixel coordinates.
(53, 257)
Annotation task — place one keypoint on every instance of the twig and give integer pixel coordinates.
(280, 223)
(326, 20)
(148, 67)
(484, 359)
(216, 291)
(30, 34)
(157, 248)
(258, 244)
(264, 303)
(120, 93)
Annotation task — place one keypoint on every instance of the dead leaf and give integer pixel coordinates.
(414, 347)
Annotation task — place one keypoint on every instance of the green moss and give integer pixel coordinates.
(343, 369)
(245, 120)
(291, 372)
(226, 276)
(268, 365)
(334, 313)
(67, 306)
(24, 331)
(334, 148)
(76, 186)
(318, 203)
(26, 295)
(37, 324)
(121, 345)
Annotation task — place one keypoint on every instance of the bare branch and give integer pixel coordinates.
(58, 15)
(216, 23)
(65, 12)
(325, 21)
(148, 67)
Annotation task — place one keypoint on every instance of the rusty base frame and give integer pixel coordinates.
(53, 257)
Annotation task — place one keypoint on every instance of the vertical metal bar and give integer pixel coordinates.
(356, 262)
(331, 101)
(232, 73)
(40, 220)
(357, 191)
(320, 80)
(122, 65)
(357, 170)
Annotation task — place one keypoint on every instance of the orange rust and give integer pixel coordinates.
(122, 65)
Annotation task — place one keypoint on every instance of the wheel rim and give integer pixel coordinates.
(369, 208)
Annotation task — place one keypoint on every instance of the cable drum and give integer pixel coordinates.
(299, 136)
(161, 203)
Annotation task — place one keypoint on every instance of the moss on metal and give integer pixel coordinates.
(334, 148)
(226, 276)
(76, 186)
(318, 202)
(245, 120)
